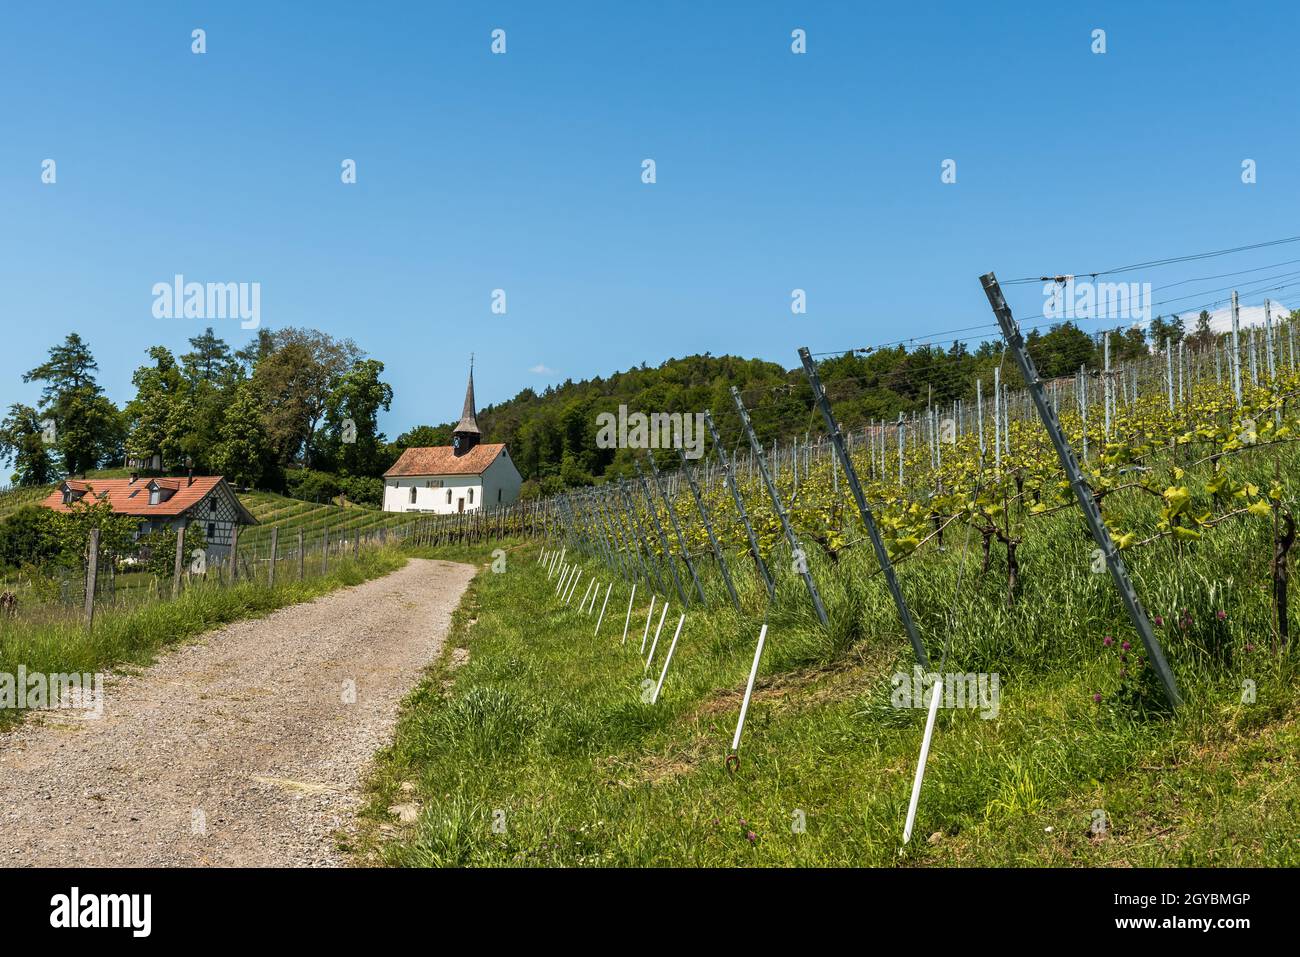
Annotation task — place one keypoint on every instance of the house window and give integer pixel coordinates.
(433, 483)
(212, 530)
(471, 496)
(154, 496)
(212, 506)
(412, 494)
(498, 496)
(448, 496)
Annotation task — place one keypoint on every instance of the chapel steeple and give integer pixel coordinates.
(466, 435)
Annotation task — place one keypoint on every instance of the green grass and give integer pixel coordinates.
(545, 723)
(131, 637)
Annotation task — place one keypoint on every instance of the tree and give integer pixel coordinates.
(88, 427)
(1204, 335)
(295, 381)
(27, 535)
(71, 529)
(423, 436)
(1162, 330)
(242, 453)
(70, 367)
(24, 442)
(157, 417)
(350, 441)
(211, 375)
(249, 356)
(1062, 350)
(210, 360)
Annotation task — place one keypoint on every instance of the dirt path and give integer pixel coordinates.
(238, 749)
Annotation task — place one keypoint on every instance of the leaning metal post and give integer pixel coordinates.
(1082, 491)
(850, 473)
(796, 550)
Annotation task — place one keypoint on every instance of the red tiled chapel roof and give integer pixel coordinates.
(443, 460)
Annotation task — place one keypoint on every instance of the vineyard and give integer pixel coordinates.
(1184, 453)
(700, 643)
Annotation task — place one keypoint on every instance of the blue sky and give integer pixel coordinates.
(522, 172)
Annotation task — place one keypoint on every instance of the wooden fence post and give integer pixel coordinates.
(302, 556)
(180, 554)
(275, 543)
(325, 552)
(234, 552)
(92, 573)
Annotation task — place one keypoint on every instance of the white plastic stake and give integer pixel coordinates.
(935, 694)
(749, 688)
(628, 620)
(660, 627)
(648, 615)
(559, 585)
(577, 577)
(608, 588)
(668, 660)
(583, 604)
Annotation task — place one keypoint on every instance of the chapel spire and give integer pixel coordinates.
(466, 435)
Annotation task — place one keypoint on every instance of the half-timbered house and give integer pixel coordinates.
(161, 503)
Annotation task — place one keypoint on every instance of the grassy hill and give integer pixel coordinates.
(15, 498)
(291, 514)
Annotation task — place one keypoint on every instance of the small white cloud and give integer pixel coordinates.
(1221, 319)
(540, 369)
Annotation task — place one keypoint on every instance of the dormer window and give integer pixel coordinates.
(155, 495)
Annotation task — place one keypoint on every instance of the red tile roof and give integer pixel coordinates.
(132, 498)
(442, 460)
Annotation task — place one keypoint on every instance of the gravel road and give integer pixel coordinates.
(236, 749)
